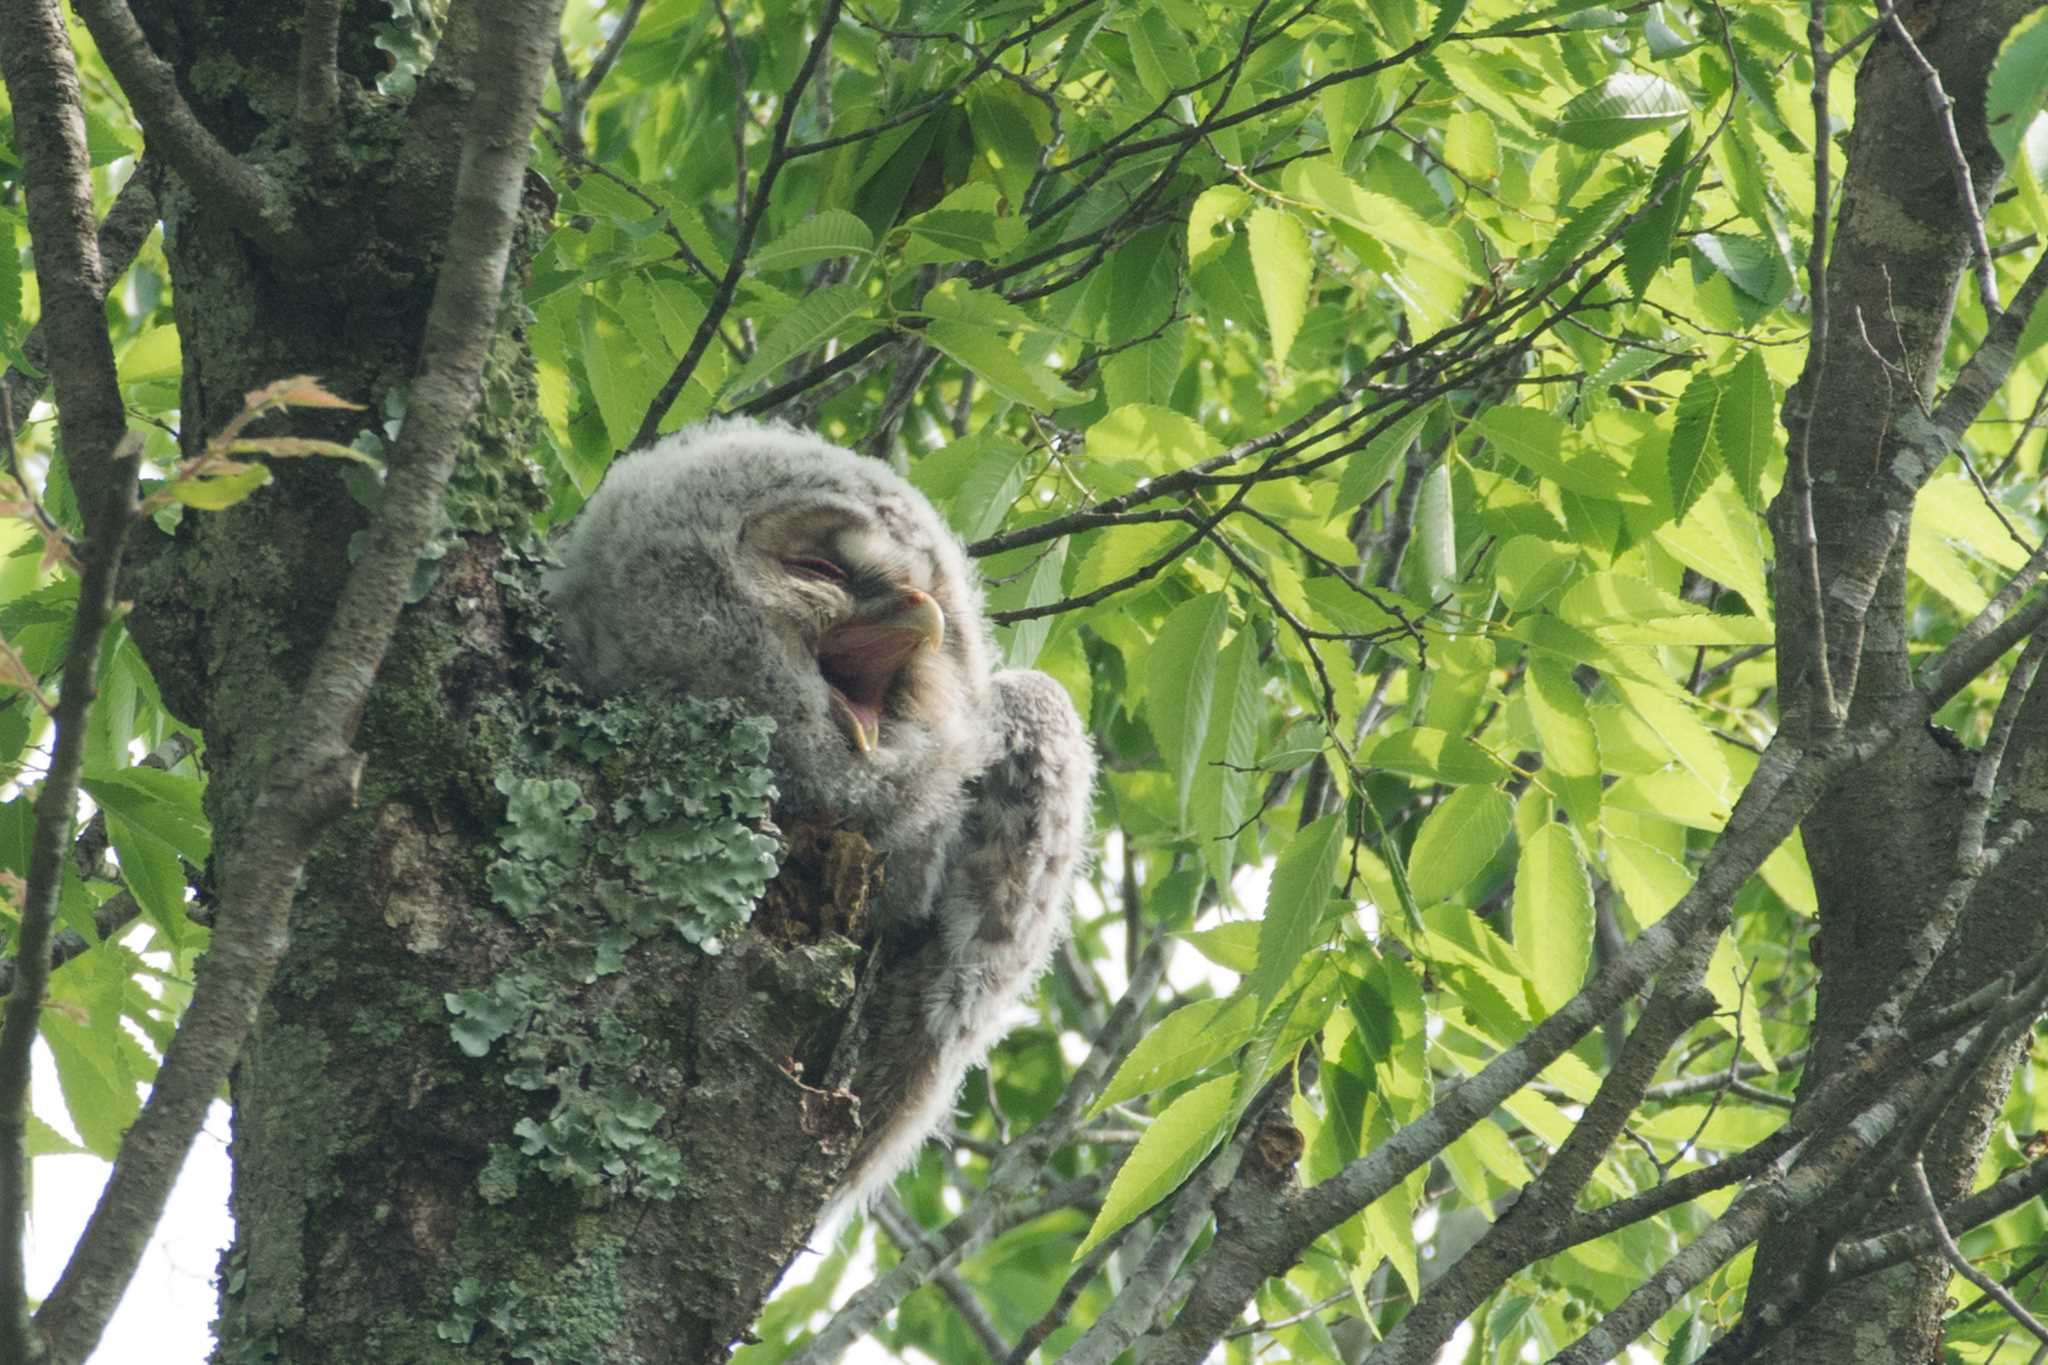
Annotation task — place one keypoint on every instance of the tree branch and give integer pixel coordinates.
(313, 778)
(42, 84)
(750, 224)
(169, 124)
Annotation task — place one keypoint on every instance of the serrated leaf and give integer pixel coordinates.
(1471, 146)
(1381, 217)
(1646, 243)
(1738, 1015)
(1182, 1044)
(1160, 52)
(1028, 637)
(1529, 568)
(1692, 458)
(1553, 914)
(301, 447)
(988, 355)
(1368, 469)
(1436, 755)
(1233, 947)
(2018, 87)
(990, 487)
(820, 316)
(1625, 105)
(1221, 795)
(1295, 905)
(163, 805)
(1586, 226)
(216, 494)
(1181, 678)
(1746, 426)
(1177, 1142)
(823, 236)
(1282, 265)
(1436, 535)
(1627, 610)
(1457, 840)
(1725, 541)
(1571, 749)
(1534, 439)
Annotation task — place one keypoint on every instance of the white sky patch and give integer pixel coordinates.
(166, 1317)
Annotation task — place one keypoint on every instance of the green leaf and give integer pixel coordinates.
(1553, 913)
(1221, 794)
(1571, 750)
(989, 490)
(1534, 439)
(825, 235)
(1457, 840)
(1181, 677)
(1043, 586)
(1435, 755)
(1586, 226)
(984, 351)
(216, 494)
(1182, 1044)
(1368, 469)
(1624, 106)
(1529, 569)
(1435, 547)
(1746, 425)
(1296, 903)
(1177, 1142)
(1212, 223)
(2019, 86)
(1626, 610)
(164, 806)
(1234, 947)
(1282, 264)
(1692, 458)
(1160, 52)
(1646, 243)
(1471, 146)
(1381, 217)
(819, 317)
(1723, 540)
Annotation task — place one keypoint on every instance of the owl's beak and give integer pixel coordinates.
(861, 656)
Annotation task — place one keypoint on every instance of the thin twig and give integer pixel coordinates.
(905, 1232)
(1923, 1194)
(1959, 164)
(750, 224)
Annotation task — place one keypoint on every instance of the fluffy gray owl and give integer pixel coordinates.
(759, 562)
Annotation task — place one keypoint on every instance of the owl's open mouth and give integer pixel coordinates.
(860, 659)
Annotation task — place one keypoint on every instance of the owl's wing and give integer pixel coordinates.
(1000, 907)
(1002, 902)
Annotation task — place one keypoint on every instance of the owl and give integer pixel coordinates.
(755, 561)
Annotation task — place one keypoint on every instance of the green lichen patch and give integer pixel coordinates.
(626, 822)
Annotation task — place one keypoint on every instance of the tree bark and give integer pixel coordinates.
(639, 1150)
(1883, 847)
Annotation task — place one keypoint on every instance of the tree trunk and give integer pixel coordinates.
(1883, 846)
(634, 1155)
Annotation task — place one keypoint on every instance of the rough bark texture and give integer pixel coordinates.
(1883, 847)
(641, 1146)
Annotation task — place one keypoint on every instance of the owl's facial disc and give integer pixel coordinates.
(861, 657)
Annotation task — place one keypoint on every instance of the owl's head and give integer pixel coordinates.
(755, 561)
